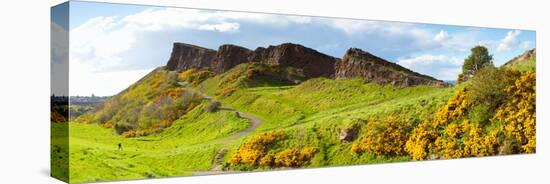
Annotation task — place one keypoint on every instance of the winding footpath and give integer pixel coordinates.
(218, 160)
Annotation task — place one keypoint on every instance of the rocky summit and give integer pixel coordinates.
(354, 64)
(357, 63)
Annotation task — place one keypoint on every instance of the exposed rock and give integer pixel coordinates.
(360, 64)
(185, 56)
(348, 134)
(355, 63)
(229, 56)
(527, 55)
(313, 63)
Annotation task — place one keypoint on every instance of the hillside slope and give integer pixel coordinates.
(524, 62)
(187, 119)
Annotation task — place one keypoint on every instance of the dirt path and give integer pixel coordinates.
(254, 121)
(218, 159)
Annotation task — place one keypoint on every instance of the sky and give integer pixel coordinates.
(113, 45)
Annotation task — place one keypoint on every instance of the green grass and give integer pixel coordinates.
(311, 114)
(189, 144)
(524, 65)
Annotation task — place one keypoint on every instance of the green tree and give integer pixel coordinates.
(478, 59)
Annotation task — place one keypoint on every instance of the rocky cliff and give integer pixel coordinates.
(229, 56)
(185, 56)
(355, 63)
(313, 63)
(360, 64)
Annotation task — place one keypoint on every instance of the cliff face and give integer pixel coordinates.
(185, 56)
(313, 63)
(355, 63)
(229, 56)
(360, 64)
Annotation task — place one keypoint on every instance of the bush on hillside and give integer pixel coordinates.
(519, 113)
(384, 137)
(488, 86)
(467, 127)
(213, 106)
(294, 157)
(255, 148)
(422, 138)
(146, 107)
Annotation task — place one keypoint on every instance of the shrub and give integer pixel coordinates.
(477, 142)
(268, 160)
(422, 138)
(255, 148)
(121, 128)
(185, 74)
(456, 106)
(420, 141)
(213, 106)
(488, 86)
(174, 92)
(135, 133)
(294, 157)
(467, 126)
(384, 137)
(519, 113)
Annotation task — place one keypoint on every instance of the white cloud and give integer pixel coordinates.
(439, 66)
(441, 36)
(408, 36)
(509, 41)
(221, 27)
(97, 45)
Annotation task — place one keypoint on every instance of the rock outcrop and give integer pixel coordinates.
(186, 56)
(360, 64)
(355, 63)
(313, 63)
(229, 56)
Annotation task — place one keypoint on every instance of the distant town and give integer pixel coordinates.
(80, 100)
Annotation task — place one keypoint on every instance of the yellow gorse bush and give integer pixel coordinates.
(519, 113)
(255, 148)
(185, 74)
(294, 157)
(383, 137)
(426, 136)
(452, 135)
(419, 141)
(456, 106)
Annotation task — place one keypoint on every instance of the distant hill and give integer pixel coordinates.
(355, 63)
(524, 62)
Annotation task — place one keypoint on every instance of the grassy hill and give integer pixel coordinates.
(524, 62)
(168, 123)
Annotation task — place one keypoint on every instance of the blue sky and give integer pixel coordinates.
(113, 45)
